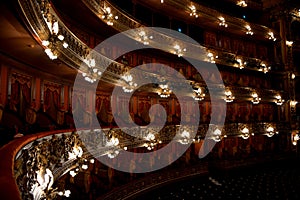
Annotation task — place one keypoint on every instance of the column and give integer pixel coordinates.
(4, 85)
(37, 93)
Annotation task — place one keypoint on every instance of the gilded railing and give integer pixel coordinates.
(125, 22)
(212, 15)
(39, 11)
(72, 152)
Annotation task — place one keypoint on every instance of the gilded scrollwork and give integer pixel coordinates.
(35, 177)
(43, 161)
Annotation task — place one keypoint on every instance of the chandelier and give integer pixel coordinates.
(293, 103)
(270, 131)
(295, 138)
(289, 43)
(75, 153)
(264, 68)
(240, 63)
(249, 30)
(165, 91)
(66, 193)
(82, 164)
(113, 142)
(113, 153)
(92, 73)
(228, 96)
(211, 57)
(151, 141)
(241, 3)
(293, 76)
(184, 137)
(198, 95)
(255, 98)
(130, 85)
(108, 16)
(144, 38)
(279, 101)
(193, 11)
(245, 133)
(271, 36)
(222, 22)
(55, 39)
(178, 50)
(217, 135)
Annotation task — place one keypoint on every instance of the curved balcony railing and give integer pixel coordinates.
(124, 22)
(56, 153)
(76, 53)
(10, 153)
(212, 15)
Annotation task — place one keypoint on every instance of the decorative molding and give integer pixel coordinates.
(77, 51)
(68, 152)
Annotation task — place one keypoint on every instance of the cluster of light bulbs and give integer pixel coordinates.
(249, 30)
(66, 193)
(270, 131)
(193, 11)
(240, 63)
(279, 101)
(242, 3)
(217, 135)
(130, 85)
(151, 141)
(84, 166)
(289, 43)
(211, 57)
(165, 91)
(92, 73)
(185, 137)
(113, 142)
(245, 133)
(222, 22)
(295, 138)
(293, 103)
(53, 40)
(108, 16)
(178, 50)
(228, 96)
(255, 98)
(271, 36)
(198, 94)
(144, 38)
(264, 68)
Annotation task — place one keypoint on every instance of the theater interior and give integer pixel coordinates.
(149, 99)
